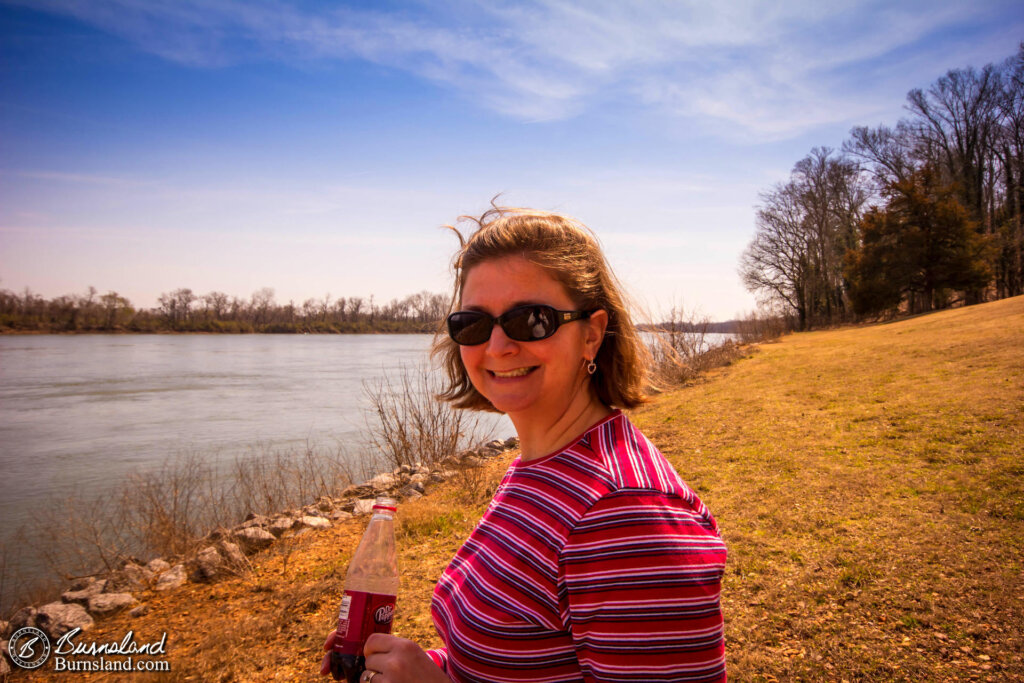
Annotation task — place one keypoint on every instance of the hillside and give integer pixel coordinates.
(867, 480)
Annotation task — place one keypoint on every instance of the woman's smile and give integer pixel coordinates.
(511, 374)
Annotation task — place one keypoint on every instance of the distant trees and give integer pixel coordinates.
(182, 310)
(916, 216)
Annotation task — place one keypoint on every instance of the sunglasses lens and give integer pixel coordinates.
(467, 327)
(530, 323)
(525, 323)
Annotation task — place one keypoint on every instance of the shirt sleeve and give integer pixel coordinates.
(440, 657)
(640, 586)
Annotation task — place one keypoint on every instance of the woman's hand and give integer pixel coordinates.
(396, 660)
(400, 661)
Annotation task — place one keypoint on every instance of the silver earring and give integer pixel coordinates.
(591, 367)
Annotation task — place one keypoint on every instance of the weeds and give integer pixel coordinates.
(681, 350)
(408, 425)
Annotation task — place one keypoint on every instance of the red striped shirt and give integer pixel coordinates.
(596, 563)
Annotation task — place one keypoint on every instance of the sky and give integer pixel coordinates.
(317, 148)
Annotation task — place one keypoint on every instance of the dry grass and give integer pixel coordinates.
(868, 482)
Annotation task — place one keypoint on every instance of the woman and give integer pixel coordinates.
(594, 561)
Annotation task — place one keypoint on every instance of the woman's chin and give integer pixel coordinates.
(511, 403)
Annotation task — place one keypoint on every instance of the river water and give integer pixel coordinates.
(80, 413)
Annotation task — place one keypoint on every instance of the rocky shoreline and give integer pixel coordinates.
(225, 552)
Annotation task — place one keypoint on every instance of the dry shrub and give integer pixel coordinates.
(682, 350)
(407, 425)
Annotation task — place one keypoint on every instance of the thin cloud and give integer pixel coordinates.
(80, 178)
(749, 69)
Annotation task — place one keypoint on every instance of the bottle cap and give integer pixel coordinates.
(383, 503)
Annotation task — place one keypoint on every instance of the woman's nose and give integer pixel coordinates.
(499, 344)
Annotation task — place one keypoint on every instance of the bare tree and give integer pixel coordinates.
(803, 230)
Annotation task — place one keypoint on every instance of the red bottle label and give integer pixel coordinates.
(361, 615)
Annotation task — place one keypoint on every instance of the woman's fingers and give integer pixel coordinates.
(379, 643)
(325, 665)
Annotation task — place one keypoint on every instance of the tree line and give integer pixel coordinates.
(922, 215)
(184, 311)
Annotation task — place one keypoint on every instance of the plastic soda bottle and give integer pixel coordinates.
(371, 584)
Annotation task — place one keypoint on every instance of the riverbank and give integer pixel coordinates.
(868, 482)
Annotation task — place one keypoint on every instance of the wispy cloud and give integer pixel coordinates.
(81, 178)
(767, 70)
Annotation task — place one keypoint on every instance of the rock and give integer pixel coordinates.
(253, 539)
(140, 611)
(440, 476)
(280, 525)
(82, 582)
(137, 575)
(57, 618)
(512, 442)
(106, 604)
(172, 578)
(404, 469)
(347, 505)
(409, 493)
(234, 557)
(364, 506)
(341, 516)
(157, 566)
(472, 461)
(26, 616)
(495, 445)
(208, 565)
(383, 482)
(82, 596)
(311, 511)
(325, 504)
(127, 579)
(315, 522)
(254, 521)
(419, 479)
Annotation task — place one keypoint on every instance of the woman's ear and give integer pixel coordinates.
(597, 324)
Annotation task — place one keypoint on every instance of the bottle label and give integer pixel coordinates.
(361, 615)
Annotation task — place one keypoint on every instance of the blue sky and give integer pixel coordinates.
(316, 148)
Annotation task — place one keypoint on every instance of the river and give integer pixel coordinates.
(80, 413)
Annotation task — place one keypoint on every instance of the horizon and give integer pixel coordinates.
(318, 149)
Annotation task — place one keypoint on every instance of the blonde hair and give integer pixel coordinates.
(570, 253)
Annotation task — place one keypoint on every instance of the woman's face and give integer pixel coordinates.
(535, 380)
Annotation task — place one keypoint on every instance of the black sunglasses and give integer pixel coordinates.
(522, 323)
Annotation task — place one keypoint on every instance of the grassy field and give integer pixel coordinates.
(869, 483)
